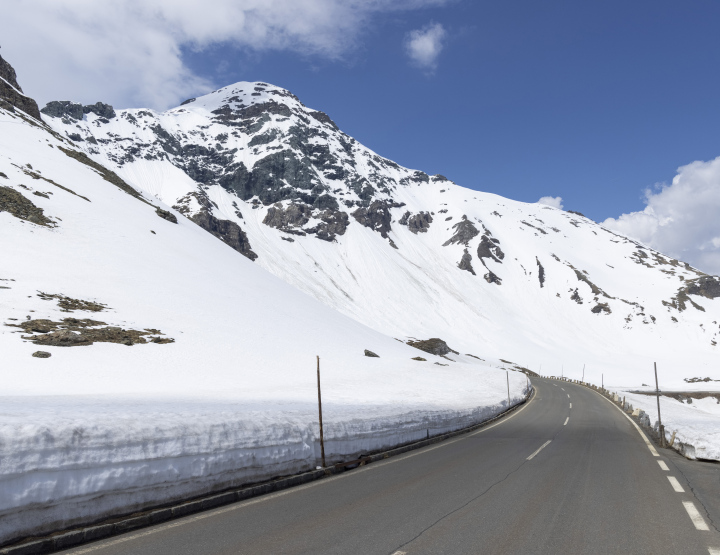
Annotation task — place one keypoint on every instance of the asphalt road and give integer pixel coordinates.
(595, 487)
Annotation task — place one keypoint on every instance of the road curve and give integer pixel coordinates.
(567, 474)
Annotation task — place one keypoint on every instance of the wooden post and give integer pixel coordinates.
(322, 439)
(657, 394)
(507, 375)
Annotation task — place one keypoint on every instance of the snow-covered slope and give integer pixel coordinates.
(405, 253)
(177, 367)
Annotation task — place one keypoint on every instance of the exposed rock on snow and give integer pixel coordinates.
(72, 332)
(416, 223)
(11, 95)
(465, 231)
(434, 346)
(22, 208)
(371, 354)
(466, 262)
(67, 304)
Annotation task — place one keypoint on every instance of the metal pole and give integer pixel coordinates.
(660, 426)
(507, 375)
(322, 440)
(602, 381)
(583, 374)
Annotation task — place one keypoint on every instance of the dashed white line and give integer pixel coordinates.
(562, 388)
(566, 421)
(713, 551)
(570, 405)
(541, 448)
(695, 516)
(400, 553)
(663, 465)
(568, 395)
(675, 484)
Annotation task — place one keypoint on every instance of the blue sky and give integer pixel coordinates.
(611, 105)
(590, 101)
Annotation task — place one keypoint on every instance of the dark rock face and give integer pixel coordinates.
(67, 109)
(101, 109)
(166, 215)
(333, 223)
(601, 307)
(322, 117)
(376, 217)
(465, 230)
(41, 354)
(225, 230)
(541, 272)
(63, 108)
(11, 95)
(419, 358)
(490, 277)
(371, 354)
(288, 219)
(576, 297)
(434, 346)
(73, 332)
(16, 204)
(418, 223)
(466, 262)
(706, 286)
(490, 248)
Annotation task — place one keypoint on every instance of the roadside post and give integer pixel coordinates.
(507, 375)
(661, 429)
(322, 440)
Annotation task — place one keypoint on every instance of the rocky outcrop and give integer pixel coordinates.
(541, 272)
(225, 230)
(11, 95)
(290, 219)
(465, 230)
(466, 262)
(16, 204)
(376, 216)
(73, 111)
(434, 346)
(417, 223)
(489, 247)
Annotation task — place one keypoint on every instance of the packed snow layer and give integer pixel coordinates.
(109, 428)
(696, 426)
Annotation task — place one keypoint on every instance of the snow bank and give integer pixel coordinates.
(103, 429)
(696, 426)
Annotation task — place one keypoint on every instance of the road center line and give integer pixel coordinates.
(400, 553)
(713, 551)
(562, 388)
(541, 448)
(663, 465)
(566, 421)
(568, 395)
(675, 484)
(570, 405)
(695, 516)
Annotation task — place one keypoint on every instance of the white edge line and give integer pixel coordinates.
(695, 516)
(541, 448)
(642, 435)
(268, 497)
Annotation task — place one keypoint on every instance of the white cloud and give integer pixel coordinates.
(681, 219)
(129, 52)
(424, 45)
(555, 202)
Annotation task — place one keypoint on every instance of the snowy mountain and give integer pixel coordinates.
(145, 361)
(408, 254)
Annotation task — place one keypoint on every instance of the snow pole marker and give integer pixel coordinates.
(661, 430)
(507, 375)
(322, 440)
